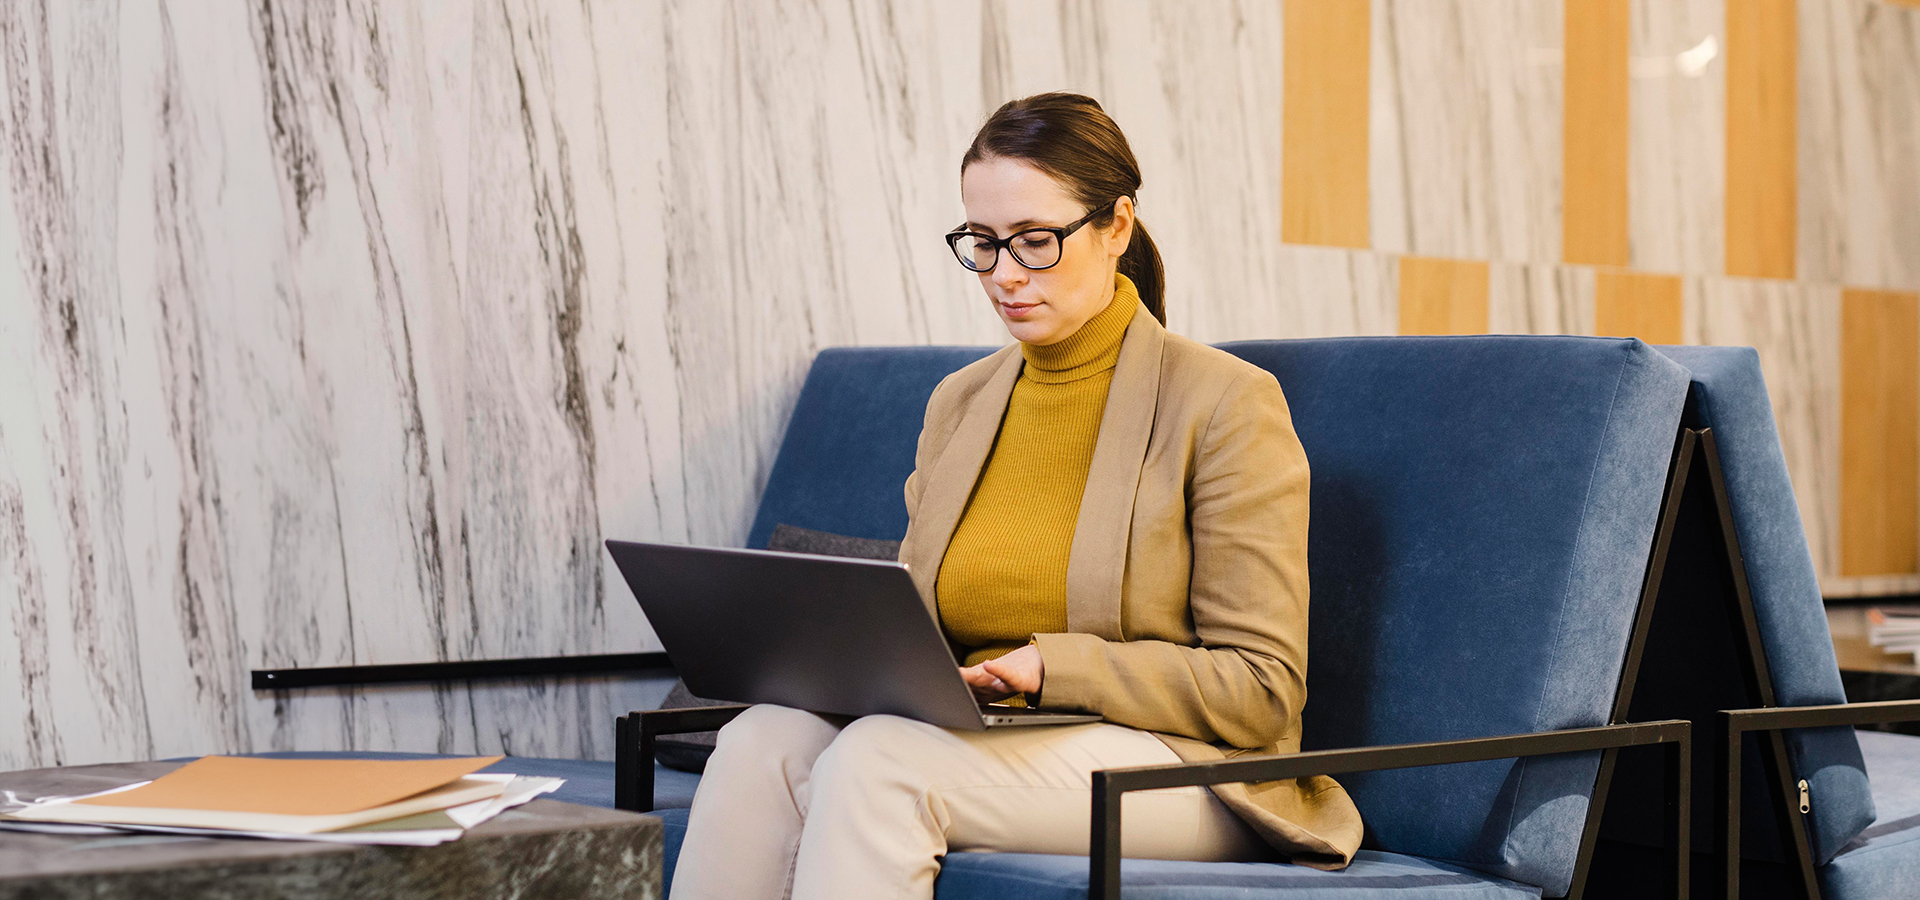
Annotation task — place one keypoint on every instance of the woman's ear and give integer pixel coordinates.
(1120, 233)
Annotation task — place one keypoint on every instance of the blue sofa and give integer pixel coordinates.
(1483, 509)
(1482, 512)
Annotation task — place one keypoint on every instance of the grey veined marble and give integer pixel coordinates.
(544, 850)
(339, 333)
(343, 333)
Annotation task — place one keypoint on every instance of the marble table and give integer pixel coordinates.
(545, 849)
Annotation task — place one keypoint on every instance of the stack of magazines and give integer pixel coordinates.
(1895, 629)
(415, 802)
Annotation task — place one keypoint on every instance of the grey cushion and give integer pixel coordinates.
(793, 539)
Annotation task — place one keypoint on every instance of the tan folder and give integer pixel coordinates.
(293, 796)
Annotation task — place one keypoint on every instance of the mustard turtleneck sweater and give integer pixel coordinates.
(1004, 577)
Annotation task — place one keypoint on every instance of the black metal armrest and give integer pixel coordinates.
(1110, 784)
(1736, 723)
(633, 736)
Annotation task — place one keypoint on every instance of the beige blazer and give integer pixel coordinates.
(1187, 579)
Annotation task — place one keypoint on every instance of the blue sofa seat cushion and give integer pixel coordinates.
(1034, 876)
(1883, 860)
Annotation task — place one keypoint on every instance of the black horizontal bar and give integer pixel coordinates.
(1879, 712)
(1396, 756)
(530, 667)
(687, 719)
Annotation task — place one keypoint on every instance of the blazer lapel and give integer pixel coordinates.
(1097, 566)
(954, 474)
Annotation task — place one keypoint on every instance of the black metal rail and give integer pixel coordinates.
(1109, 784)
(532, 667)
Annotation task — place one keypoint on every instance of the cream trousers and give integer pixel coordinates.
(796, 804)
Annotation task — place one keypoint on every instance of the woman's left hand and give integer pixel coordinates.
(1019, 672)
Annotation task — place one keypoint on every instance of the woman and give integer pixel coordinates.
(1107, 517)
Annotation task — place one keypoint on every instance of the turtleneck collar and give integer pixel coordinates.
(1095, 348)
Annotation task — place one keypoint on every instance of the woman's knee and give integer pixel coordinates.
(880, 749)
(774, 734)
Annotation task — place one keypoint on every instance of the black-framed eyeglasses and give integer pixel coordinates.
(1034, 248)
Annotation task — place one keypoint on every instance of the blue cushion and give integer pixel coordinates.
(1729, 395)
(1482, 510)
(1032, 876)
(1883, 860)
(589, 782)
(672, 836)
(864, 404)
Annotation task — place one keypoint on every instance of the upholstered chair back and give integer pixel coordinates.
(1729, 395)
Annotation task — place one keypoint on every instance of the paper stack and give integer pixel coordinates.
(417, 802)
(1895, 629)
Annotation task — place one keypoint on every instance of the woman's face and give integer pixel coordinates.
(1004, 196)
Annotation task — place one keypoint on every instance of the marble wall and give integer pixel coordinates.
(342, 332)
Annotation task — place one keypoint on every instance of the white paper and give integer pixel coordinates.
(519, 789)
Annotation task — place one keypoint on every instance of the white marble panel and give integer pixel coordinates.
(1465, 110)
(1676, 154)
(1318, 292)
(1795, 327)
(344, 333)
(1859, 217)
(1526, 298)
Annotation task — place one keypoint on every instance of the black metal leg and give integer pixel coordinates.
(643, 771)
(1103, 865)
(1679, 783)
(1727, 793)
(625, 761)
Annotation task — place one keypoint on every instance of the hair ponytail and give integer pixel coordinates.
(1141, 265)
(1069, 137)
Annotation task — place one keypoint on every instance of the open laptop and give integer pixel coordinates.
(821, 633)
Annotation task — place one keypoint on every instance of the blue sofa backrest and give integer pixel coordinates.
(844, 463)
(1482, 513)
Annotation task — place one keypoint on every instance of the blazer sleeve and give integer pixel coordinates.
(1247, 509)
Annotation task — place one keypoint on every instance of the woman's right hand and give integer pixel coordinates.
(1019, 672)
(987, 687)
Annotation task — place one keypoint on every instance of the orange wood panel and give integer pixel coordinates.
(1593, 150)
(1879, 432)
(1762, 157)
(1630, 304)
(1443, 296)
(1323, 162)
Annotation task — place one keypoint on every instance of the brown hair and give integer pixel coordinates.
(1069, 137)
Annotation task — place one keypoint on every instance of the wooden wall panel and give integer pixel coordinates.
(1879, 432)
(1594, 133)
(1443, 296)
(1762, 154)
(1323, 161)
(1630, 304)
